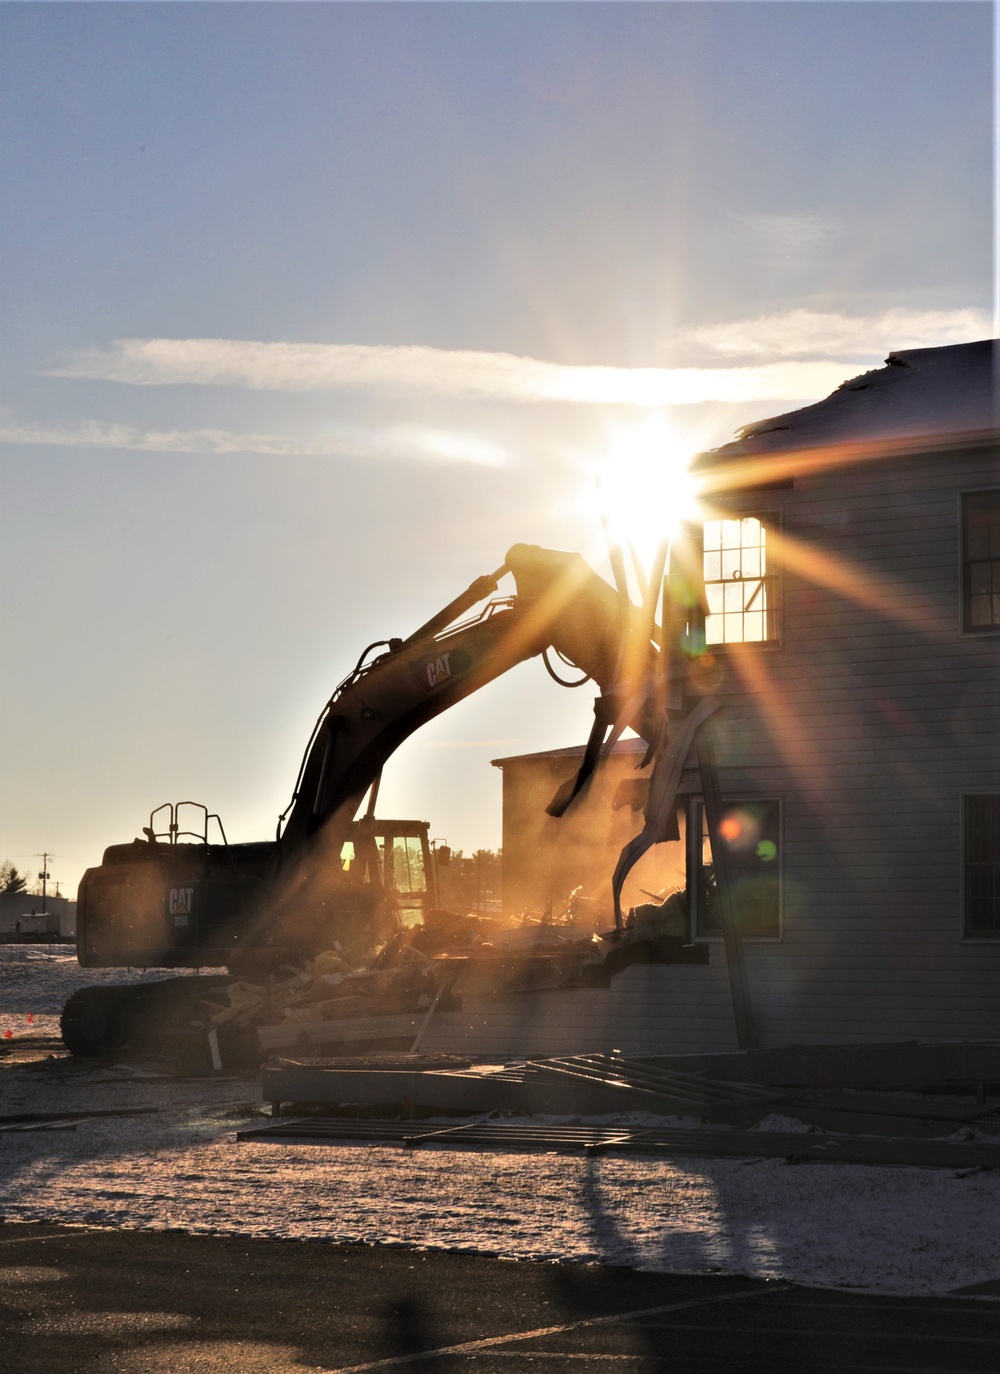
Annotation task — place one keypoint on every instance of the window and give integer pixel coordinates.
(740, 584)
(406, 856)
(981, 561)
(409, 879)
(982, 868)
(751, 831)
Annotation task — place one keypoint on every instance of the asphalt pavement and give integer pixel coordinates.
(78, 1301)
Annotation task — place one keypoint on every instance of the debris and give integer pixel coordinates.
(417, 972)
(66, 1121)
(598, 1084)
(666, 1142)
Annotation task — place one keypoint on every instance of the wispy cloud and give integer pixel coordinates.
(441, 373)
(801, 333)
(787, 233)
(407, 443)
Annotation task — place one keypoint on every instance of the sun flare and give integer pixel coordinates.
(645, 488)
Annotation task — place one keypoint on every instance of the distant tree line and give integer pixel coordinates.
(470, 881)
(11, 880)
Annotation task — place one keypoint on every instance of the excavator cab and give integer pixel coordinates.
(408, 870)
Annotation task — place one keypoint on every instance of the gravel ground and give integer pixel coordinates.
(901, 1231)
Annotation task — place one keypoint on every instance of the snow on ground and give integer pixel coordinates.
(903, 1231)
(35, 981)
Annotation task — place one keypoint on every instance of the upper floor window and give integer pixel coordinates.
(982, 867)
(981, 560)
(741, 586)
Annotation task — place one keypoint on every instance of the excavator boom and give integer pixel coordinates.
(560, 603)
(154, 905)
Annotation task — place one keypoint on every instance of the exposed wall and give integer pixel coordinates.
(544, 859)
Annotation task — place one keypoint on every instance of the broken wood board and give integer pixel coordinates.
(677, 1143)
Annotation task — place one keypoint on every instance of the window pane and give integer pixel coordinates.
(982, 867)
(980, 611)
(731, 534)
(751, 831)
(980, 578)
(415, 855)
(981, 560)
(400, 866)
(751, 562)
(731, 561)
(408, 864)
(740, 595)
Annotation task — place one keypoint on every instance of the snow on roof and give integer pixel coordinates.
(920, 392)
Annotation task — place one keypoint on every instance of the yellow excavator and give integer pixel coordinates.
(176, 899)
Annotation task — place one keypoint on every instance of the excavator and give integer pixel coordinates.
(175, 899)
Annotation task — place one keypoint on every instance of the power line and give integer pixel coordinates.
(44, 875)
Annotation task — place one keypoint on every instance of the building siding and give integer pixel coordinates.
(869, 720)
(880, 717)
(647, 1010)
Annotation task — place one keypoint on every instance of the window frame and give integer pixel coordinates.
(771, 520)
(963, 564)
(964, 801)
(695, 839)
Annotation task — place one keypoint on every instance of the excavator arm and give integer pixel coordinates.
(153, 904)
(257, 905)
(560, 603)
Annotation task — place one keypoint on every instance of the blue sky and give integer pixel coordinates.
(199, 537)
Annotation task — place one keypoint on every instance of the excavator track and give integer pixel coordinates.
(99, 1021)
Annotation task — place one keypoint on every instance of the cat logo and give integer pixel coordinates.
(179, 903)
(433, 672)
(438, 669)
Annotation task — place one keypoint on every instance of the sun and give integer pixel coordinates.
(645, 489)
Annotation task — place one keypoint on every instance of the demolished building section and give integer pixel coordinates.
(802, 847)
(854, 659)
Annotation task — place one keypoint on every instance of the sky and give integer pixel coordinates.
(311, 310)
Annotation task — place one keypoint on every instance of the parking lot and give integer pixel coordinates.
(73, 1299)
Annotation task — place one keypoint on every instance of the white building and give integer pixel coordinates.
(21, 914)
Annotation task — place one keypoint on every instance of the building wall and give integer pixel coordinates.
(25, 910)
(648, 1009)
(545, 859)
(869, 721)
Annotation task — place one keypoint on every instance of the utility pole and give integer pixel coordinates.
(44, 875)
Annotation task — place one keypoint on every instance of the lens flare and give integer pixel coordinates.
(645, 489)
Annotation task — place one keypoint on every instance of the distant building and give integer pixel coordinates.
(852, 573)
(546, 860)
(21, 914)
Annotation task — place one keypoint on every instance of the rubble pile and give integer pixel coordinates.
(449, 956)
(328, 988)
